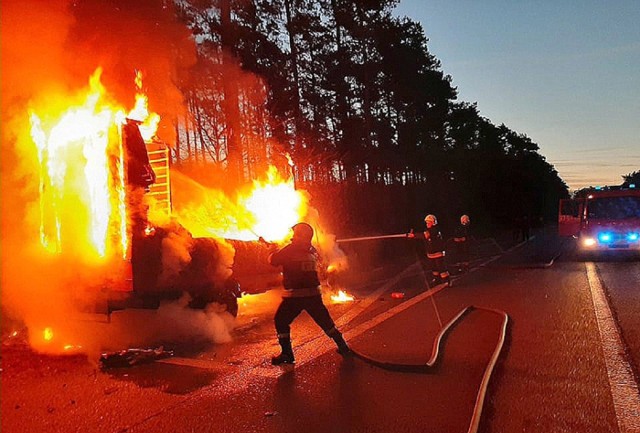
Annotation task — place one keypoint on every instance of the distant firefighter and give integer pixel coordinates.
(435, 250)
(461, 242)
(301, 292)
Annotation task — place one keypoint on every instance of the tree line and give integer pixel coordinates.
(352, 94)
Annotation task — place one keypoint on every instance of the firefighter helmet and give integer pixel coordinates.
(431, 218)
(465, 220)
(303, 232)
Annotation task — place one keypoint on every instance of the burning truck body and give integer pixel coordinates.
(80, 233)
(106, 197)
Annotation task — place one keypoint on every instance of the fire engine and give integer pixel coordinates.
(606, 219)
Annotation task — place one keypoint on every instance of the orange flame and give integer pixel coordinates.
(342, 297)
(73, 152)
(275, 205)
(50, 341)
(140, 112)
(269, 210)
(82, 189)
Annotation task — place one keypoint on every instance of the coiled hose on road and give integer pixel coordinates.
(428, 366)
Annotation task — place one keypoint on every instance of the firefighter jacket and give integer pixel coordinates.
(461, 233)
(434, 242)
(299, 269)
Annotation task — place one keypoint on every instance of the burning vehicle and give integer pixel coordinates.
(115, 187)
(95, 216)
(202, 277)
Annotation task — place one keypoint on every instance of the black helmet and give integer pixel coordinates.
(303, 232)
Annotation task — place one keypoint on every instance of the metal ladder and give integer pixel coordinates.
(161, 190)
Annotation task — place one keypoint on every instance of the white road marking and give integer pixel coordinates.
(624, 389)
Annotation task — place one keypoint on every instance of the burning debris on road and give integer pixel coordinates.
(131, 357)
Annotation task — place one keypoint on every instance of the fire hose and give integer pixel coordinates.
(370, 238)
(428, 367)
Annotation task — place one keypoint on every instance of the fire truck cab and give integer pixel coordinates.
(607, 219)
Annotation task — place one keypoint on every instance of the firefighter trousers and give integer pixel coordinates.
(439, 270)
(290, 308)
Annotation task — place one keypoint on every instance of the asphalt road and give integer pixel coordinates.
(554, 373)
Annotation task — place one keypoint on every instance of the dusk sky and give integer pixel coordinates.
(565, 73)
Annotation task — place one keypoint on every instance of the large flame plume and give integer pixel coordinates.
(267, 209)
(81, 195)
(62, 229)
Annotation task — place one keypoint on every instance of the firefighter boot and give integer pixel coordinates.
(286, 357)
(343, 347)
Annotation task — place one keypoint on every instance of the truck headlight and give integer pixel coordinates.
(588, 242)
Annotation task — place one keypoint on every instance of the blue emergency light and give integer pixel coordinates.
(605, 237)
(632, 237)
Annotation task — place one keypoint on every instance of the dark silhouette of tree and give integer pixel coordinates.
(632, 179)
(371, 121)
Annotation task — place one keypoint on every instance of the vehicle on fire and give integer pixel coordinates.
(204, 276)
(605, 220)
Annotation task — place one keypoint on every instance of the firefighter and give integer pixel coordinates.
(435, 250)
(461, 242)
(301, 292)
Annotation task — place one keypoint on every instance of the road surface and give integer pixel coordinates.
(569, 362)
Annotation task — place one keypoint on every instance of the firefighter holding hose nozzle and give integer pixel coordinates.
(301, 292)
(435, 247)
